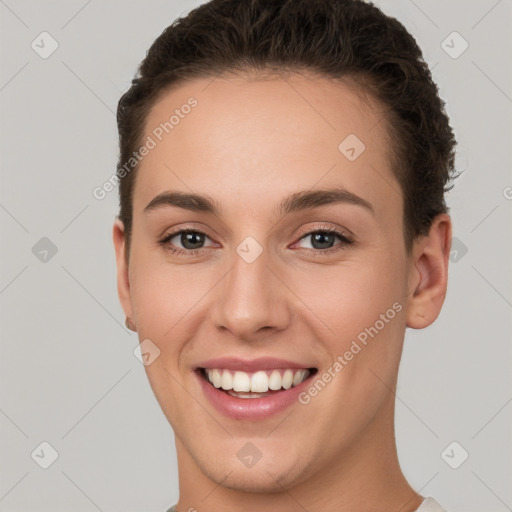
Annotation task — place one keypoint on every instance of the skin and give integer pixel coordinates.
(249, 144)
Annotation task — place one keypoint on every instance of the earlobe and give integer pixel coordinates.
(428, 278)
(123, 281)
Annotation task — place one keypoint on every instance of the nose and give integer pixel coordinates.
(251, 301)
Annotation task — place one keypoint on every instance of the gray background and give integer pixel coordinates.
(68, 374)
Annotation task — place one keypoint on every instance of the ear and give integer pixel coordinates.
(123, 281)
(428, 276)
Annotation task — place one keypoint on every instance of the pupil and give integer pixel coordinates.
(191, 240)
(321, 237)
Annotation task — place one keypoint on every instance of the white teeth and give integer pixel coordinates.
(275, 380)
(287, 379)
(227, 380)
(216, 378)
(299, 377)
(259, 382)
(241, 381)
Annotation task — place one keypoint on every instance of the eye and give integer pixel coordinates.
(191, 241)
(323, 240)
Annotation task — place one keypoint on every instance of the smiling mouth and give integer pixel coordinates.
(257, 384)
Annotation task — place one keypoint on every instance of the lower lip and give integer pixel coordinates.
(251, 408)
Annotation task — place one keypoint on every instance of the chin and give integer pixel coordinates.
(255, 480)
(265, 476)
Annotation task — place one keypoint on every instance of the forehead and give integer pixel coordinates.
(245, 139)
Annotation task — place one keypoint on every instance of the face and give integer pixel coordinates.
(268, 272)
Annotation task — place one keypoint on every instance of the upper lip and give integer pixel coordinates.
(246, 365)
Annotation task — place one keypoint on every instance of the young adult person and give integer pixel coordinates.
(283, 165)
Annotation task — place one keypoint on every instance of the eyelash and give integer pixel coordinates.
(345, 241)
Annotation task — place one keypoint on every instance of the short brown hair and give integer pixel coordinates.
(349, 40)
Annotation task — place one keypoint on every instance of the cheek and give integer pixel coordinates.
(350, 296)
(358, 311)
(167, 298)
(166, 302)
(359, 318)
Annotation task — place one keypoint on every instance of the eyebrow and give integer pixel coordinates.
(304, 200)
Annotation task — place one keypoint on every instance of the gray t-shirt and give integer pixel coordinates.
(428, 505)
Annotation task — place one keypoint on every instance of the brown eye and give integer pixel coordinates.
(191, 239)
